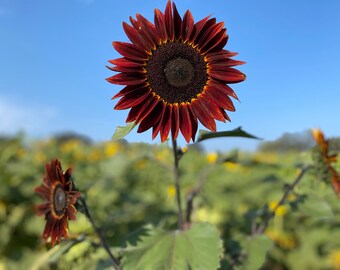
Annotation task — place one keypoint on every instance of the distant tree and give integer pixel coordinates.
(66, 136)
(334, 144)
(289, 142)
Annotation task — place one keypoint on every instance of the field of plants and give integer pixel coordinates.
(129, 189)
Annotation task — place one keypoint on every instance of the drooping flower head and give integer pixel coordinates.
(175, 73)
(59, 199)
(328, 159)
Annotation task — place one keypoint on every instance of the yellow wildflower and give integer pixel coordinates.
(335, 259)
(171, 191)
(212, 158)
(279, 210)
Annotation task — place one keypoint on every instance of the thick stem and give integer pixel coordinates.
(105, 245)
(178, 190)
(262, 227)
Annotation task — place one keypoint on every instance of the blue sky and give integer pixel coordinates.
(53, 55)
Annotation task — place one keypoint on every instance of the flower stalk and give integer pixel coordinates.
(177, 186)
(115, 261)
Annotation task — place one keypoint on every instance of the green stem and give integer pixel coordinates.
(115, 262)
(178, 190)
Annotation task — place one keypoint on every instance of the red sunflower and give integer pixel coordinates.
(176, 73)
(60, 197)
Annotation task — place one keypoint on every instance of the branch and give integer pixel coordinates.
(263, 226)
(105, 245)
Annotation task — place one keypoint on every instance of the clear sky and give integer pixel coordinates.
(53, 55)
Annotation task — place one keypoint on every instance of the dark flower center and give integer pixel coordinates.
(179, 72)
(176, 72)
(59, 200)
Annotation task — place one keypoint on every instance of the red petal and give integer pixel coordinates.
(203, 115)
(166, 123)
(71, 212)
(210, 34)
(152, 118)
(147, 107)
(187, 25)
(129, 89)
(139, 27)
(177, 22)
(211, 107)
(130, 51)
(149, 29)
(48, 228)
(126, 79)
(132, 99)
(222, 87)
(135, 38)
(175, 121)
(139, 69)
(194, 124)
(200, 26)
(220, 98)
(215, 42)
(185, 122)
(156, 128)
(160, 25)
(133, 113)
(169, 23)
(228, 75)
(221, 64)
(220, 55)
(220, 45)
(123, 62)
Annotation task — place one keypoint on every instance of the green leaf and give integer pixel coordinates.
(121, 132)
(317, 208)
(198, 248)
(257, 248)
(238, 132)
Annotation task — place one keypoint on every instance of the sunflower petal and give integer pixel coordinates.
(130, 51)
(166, 123)
(129, 89)
(185, 122)
(132, 99)
(187, 26)
(152, 118)
(177, 22)
(220, 99)
(160, 25)
(175, 120)
(203, 115)
(126, 79)
(169, 22)
(228, 75)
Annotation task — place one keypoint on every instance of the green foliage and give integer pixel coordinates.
(197, 248)
(238, 132)
(121, 132)
(130, 185)
(256, 250)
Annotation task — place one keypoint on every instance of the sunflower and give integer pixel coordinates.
(176, 73)
(60, 197)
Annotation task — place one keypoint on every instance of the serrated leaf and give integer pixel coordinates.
(122, 131)
(238, 132)
(257, 248)
(198, 248)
